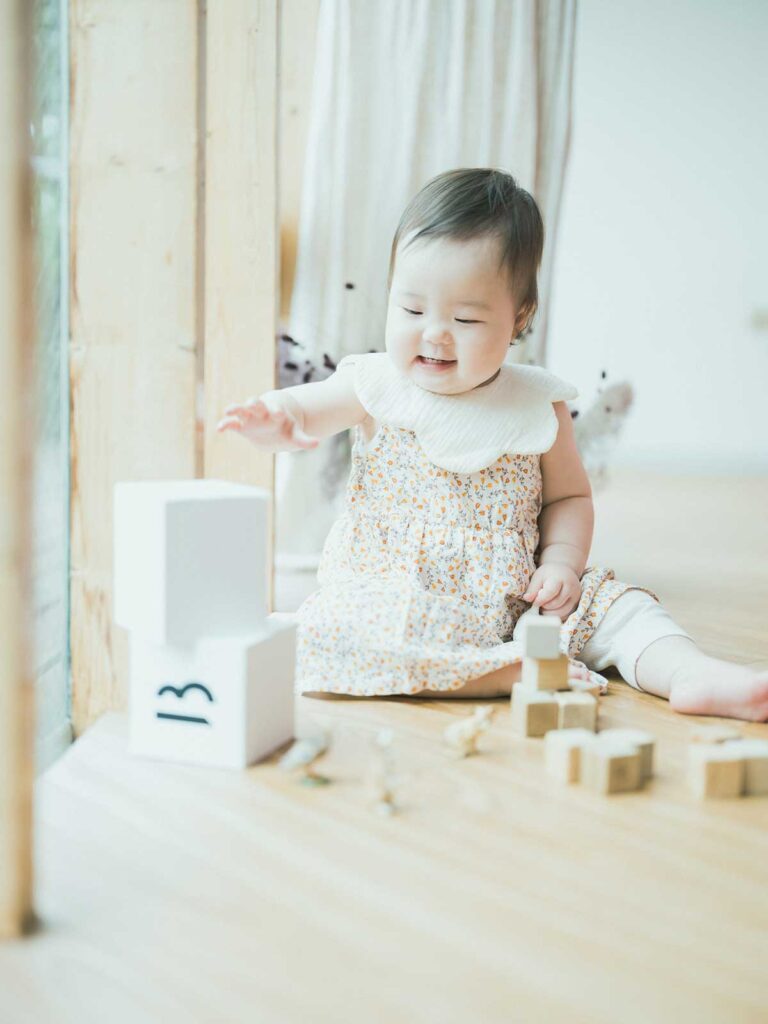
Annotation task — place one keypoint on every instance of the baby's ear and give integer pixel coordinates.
(524, 317)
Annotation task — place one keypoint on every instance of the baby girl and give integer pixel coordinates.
(467, 502)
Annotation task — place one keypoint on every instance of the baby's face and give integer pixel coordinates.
(430, 313)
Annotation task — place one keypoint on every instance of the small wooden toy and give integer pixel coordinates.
(639, 738)
(301, 757)
(541, 636)
(715, 770)
(576, 711)
(464, 734)
(563, 752)
(383, 778)
(715, 733)
(545, 674)
(534, 712)
(754, 753)
(610, 766)
(544, 667)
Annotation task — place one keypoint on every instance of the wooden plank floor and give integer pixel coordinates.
(167, 892)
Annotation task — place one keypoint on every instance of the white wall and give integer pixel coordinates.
(662, 263)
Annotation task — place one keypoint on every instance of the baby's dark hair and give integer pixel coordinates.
(473, 202)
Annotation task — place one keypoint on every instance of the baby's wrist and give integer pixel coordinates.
(564, 554)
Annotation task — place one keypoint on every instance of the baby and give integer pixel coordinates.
(467, 503)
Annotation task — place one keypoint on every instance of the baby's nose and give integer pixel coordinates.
(437, 335)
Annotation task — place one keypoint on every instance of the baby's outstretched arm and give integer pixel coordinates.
(296, 418)
(566, 523)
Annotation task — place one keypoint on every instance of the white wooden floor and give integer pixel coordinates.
(167, 892)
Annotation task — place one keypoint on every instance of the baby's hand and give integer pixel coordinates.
(264, 427)
(554, 588)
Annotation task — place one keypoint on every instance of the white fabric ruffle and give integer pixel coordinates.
(466, 432)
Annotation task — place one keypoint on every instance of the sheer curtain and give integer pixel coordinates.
(402, 91)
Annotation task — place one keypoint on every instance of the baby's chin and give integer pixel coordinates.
(442, 382)
(453, 380)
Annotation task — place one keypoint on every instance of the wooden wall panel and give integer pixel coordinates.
(298, 26)
(241, 225)
(16, 415)
(134, 326)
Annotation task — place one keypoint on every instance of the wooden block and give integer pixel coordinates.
(611, 767)
(189, 559)
(545, 673)
(226, 701)
(541, 636)
(755, 755)
(715, 771)
(576, 711)
(563, 752)
(534, 712)
(639, 738)
(714, 733)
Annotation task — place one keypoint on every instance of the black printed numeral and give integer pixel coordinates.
(181, 692)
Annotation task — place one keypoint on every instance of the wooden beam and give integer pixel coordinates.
(241, 225)
(17, 416)
(134, 319)
(298, 28)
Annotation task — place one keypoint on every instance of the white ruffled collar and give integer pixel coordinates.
(466, 432)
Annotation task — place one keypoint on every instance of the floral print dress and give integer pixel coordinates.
(421, 577)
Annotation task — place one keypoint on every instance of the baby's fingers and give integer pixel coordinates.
(228, 423)
(564, 599)
(305, 440)
(548, 592)
(577, 670)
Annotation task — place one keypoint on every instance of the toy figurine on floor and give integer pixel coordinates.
(302, 756)
(383, 777)
(463, 735)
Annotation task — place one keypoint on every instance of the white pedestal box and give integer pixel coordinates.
(224, 701)
(189, 559)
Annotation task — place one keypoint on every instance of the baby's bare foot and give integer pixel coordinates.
(709, 686)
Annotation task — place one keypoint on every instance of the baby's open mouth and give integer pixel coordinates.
(427, 360)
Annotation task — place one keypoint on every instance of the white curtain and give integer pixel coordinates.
(403, 90)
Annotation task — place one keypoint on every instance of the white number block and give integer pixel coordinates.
(189, 559)
(225, 701)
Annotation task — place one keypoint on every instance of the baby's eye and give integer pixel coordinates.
(413, 312)
(468, 321)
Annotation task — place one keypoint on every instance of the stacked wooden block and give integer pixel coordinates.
(544, 699)
(722, 763)
(545, 703)
(211, 674)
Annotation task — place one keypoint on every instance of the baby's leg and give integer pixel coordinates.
(493, 684)
(654, 654)
(498, 683)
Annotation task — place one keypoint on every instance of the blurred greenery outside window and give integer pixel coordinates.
(50, 511)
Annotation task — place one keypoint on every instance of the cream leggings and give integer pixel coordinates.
(631, 624)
